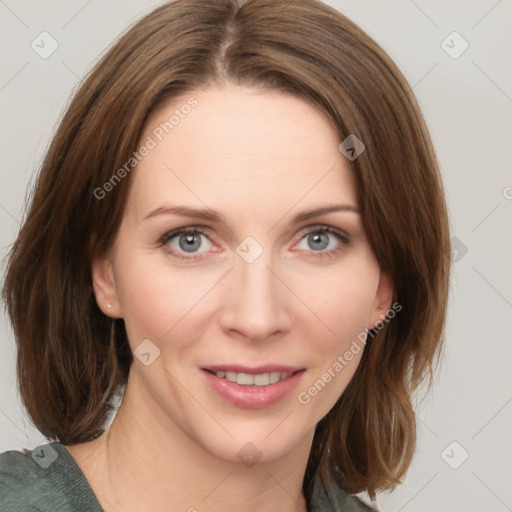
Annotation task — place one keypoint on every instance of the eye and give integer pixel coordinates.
(325, 240)
(186, 241)
(190, 243)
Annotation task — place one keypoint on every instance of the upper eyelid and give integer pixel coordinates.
(302, 232)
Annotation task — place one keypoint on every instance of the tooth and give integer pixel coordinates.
(220, 374)
(275, 377)
(245, 379)
(285, 375)
(231, 376)
(263, 379)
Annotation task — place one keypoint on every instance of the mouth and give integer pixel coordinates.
(253, 388)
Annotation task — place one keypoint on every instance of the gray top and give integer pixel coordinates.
(47, 479)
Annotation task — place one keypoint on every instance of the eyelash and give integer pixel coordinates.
(191, 230)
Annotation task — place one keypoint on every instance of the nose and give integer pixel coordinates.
(256, 303)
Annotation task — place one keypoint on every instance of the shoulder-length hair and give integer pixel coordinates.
(71, 361)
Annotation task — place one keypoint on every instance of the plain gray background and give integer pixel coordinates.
(466, 100)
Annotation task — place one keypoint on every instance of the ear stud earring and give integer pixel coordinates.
(109, 306)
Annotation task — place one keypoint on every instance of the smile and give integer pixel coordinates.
(254, 390)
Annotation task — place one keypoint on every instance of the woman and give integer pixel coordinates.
(239, 227)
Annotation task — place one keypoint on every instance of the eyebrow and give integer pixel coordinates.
(214, 216)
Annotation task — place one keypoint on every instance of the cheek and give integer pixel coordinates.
(153, 298)
(333, 307)
(349, 311)
(342, 300)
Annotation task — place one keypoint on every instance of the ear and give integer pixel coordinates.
(383, 299)
(105, 287)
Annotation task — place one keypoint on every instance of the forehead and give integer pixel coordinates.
(241, 145)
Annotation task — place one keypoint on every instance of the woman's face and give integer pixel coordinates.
(217, 268)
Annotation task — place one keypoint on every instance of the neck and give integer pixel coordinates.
(151, 464)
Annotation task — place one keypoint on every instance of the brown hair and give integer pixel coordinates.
(71, 360)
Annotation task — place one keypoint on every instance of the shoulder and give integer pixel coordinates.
(334, 498)
(43, 479)
(20, 481)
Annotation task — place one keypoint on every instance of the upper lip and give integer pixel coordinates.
(253, 370)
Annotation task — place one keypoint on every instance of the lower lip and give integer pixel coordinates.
(253, 397)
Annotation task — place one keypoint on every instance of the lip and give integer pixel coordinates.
(252, 397)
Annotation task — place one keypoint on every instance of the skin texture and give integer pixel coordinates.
(258, 158)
